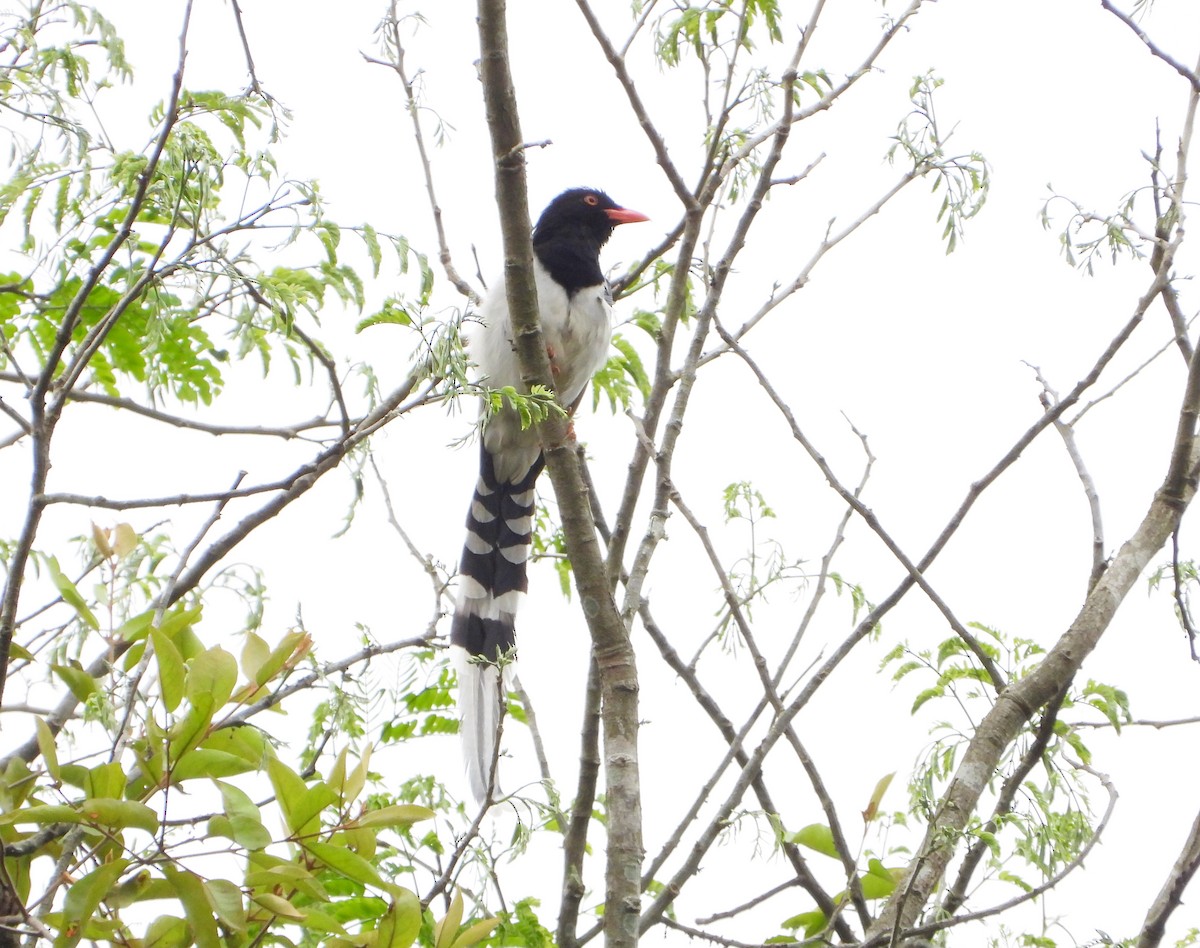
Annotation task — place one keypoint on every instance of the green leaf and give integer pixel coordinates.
(119, 814)
(279, 655)
(927, 695)
(475, 933)
(246, 741)
(133, 629)
(199, 762)
(49, 750)
(879, 881)
(812, 922)
(166, 931)
(83, 898)
(371, 239)
(171, 671)
(317, 921)
(69, 593)
(350, 864)
(255, 653)
(401, 815)
(41, 814)
(190, 890)
(817, 837)
(82, 685)
(105, 780)
(226, 901)
(299, 802)
(211, 676)
(245, 822)
(402, 923)
(446, 930)
(278, 905)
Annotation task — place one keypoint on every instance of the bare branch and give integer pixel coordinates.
(391, 25)
(1048, 398)
(1155, 50)
(1170, 897)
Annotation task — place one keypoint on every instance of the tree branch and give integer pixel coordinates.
(611, 646)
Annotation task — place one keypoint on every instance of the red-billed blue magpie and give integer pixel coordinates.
(575, 308)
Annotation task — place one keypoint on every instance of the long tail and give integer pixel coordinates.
(492, 577)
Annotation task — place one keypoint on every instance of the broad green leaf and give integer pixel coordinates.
(255, 653)
(241, 740)
(131, 890)
(316, 920)
(199, 762)
(812, 922)
(277, 905)
(18, 651)
(177, 622)
(16, 784)
(191, 729)
(348, 863)
(119, 814)
(167, 931)
(476, 932)
(170, 669)
(211, 677)
(357, 778)
(286, 648)
(446, 930)
(69, 593)
(289, 789)
(879, 882)
(133, 629)
(401, 815)
(269, 872)
(402, 923)
(124, 539)
(49, 751)
(337, 773)
(300, 803)
(245, 821)
(83, 898)
(41, 814)
(106, 780)
(82, 685)
(817, 837)
(190, 890)
(226, 901)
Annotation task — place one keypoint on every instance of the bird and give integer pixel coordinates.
(575, 307)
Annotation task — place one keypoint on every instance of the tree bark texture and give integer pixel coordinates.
(610, 640)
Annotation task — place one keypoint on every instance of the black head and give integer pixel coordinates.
(571, 231)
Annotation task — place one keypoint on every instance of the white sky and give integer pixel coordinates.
(923, 352)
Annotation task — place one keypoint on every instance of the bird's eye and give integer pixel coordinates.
(591, 200)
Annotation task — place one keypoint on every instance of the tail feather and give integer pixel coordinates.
(492, 578)
(479, 706)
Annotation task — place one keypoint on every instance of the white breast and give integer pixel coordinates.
(577, 332)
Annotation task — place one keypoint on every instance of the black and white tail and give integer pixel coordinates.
(492, 578)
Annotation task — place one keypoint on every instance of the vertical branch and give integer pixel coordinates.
(610, 640)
